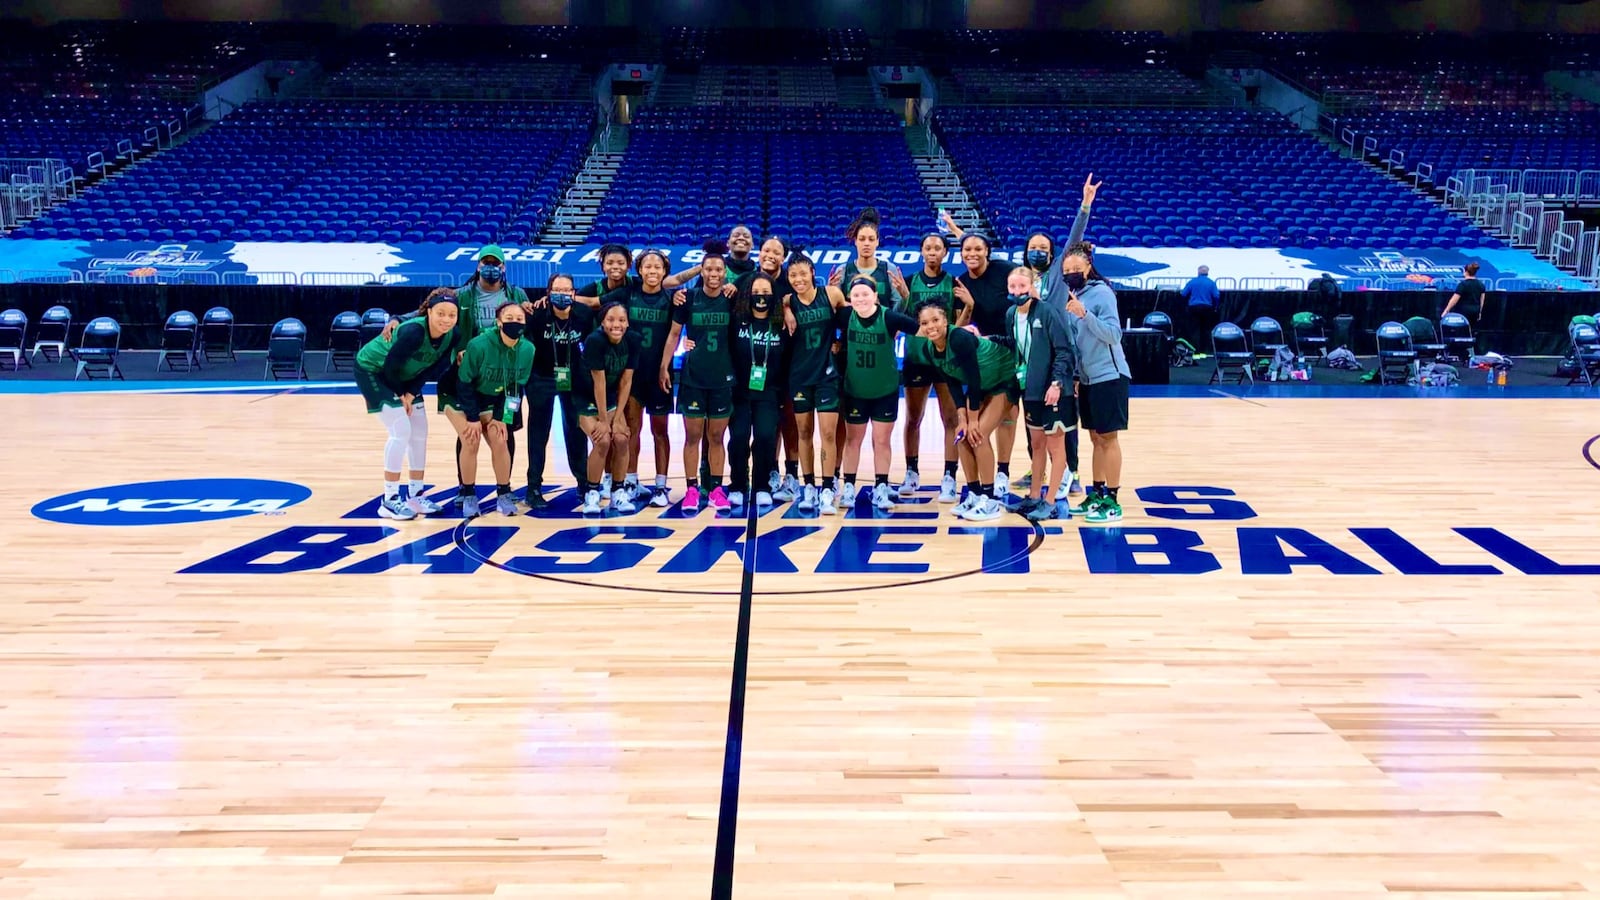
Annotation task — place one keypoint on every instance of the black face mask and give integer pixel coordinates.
(1038, 260)
(513, 330)
(1076, 281)
(1019, 299)
(760, 302)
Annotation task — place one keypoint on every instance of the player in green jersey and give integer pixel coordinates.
(814, 383)
(871, 386)
(931, 284)
(981, 374)
(705, 394)
(391, 372)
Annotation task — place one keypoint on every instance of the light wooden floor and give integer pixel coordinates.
(1059, 734)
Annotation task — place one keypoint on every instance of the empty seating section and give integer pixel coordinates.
(690, 46)
(1184, 177)
(804, 173)
(332, 171)
(1449, 101)
(1085, 87)
(1077, 87)
(135, 60)
(766, 86)
(1484, 139)
(70, 129)
(946, 49)
(460, 79)
(449, 62)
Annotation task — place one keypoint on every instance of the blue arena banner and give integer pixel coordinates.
(433, 265)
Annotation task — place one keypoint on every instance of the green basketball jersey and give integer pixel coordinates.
(869, 363)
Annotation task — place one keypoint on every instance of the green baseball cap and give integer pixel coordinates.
(494, 251)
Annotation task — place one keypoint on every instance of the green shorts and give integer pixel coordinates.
(820, 397)
(705, 403)
(377, 396)
(878, 409)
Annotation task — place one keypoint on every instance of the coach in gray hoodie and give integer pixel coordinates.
(1102, 377)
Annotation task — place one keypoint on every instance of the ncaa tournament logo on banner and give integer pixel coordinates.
(171, 502)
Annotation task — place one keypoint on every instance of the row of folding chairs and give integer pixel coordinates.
(1241, 354)
(185, 340)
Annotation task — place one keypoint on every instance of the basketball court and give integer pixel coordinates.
(1313, 661)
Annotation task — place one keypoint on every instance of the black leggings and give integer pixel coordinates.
(541, 410)
(753, 430)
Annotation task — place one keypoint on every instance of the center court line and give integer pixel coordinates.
(733, 745)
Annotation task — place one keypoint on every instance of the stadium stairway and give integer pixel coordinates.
(571, 221)
(942, 182)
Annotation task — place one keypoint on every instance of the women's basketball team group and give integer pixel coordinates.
(772, 354)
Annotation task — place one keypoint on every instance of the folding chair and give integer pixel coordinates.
(1309, 332)
(1586, 352)
(373, 321)
(96, 353)
(54, 326)
(1424, 339)
(1230, 347)
(286, 351)
(1266, 339)
(216, 335)
(180, 342)
(1455, 332)
(13, 333)
(1396, 356)
(1162, 322)
(344, 339)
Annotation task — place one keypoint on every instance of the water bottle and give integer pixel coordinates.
(1500, 379)
(1491, 376)
(939, 226)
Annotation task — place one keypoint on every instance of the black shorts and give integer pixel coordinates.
(1059, 418)
(820, 397)
(705, 403)
(1103, 407)
(447, 390)
(917, 376)
(647, 390)
(878, 409)
(497, 410)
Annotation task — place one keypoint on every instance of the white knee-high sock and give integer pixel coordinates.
(419, 436)
(394, 450)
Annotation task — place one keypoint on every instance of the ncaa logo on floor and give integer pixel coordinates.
(171, 502)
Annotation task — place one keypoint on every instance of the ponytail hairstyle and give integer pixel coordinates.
(1472, 270)
(608, 249)
(600, 320)
(714, 248)
(435, 296)
(1085, 250)
(666, 265)
(981, 238)
(868, 218)
(1049, 241)
(502, 308)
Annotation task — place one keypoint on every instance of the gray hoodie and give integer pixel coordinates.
(1050, 354)
(1098, 336)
